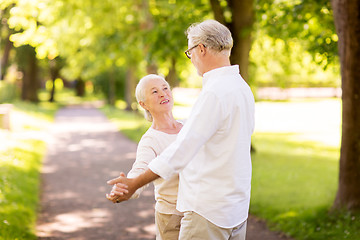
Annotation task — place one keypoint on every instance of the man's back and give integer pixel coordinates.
(216, 183)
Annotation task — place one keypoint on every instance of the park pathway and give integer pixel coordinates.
(85, 150)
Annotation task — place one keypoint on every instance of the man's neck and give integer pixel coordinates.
(216, 61)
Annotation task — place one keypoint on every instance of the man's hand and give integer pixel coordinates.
(121, 190)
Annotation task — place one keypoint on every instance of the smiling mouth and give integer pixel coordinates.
(164, 101)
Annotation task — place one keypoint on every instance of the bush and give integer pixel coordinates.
(7, 92)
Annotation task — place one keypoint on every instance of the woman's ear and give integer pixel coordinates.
(142, 104)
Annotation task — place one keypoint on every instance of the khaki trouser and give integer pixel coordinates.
(196, 227)
(167, 226)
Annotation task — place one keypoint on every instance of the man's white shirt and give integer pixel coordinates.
(212, 151)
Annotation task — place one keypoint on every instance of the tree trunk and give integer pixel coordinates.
(241, 28)
(52, 91)
(112, 87)
(130, 88)
(4, 15)
(218, 11)
(30, 84)
(80, 87)
(151, 68)
(347, 23)
(5, 57)
(172, 78)
(54, 73)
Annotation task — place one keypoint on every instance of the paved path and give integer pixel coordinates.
(85, 151)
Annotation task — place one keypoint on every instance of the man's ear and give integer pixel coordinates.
(202, 49)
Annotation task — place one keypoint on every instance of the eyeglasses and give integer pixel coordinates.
(187, 52)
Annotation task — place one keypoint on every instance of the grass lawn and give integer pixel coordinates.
(295, 167)
(294, 186)
(19, 189)
(21, 155)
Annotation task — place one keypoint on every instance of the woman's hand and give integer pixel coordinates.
(119, 191)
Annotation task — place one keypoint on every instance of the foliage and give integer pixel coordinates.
(101, 85)
(286, 64)
(94, 37)
(8, 92)
(165, 38)
(311, 22)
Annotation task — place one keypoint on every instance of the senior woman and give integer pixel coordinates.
(154, 96)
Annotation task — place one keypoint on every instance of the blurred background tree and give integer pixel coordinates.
(97, 38)
(282, 44)
(111, 44)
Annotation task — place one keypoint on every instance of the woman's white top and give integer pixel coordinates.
(152, 143)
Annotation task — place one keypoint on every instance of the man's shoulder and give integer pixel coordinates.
(229, 91)
(225, 84)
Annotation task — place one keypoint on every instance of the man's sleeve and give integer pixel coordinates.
(203, 122)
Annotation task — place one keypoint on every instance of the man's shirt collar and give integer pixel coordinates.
(234, 69)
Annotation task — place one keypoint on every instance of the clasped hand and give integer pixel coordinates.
(120, 191)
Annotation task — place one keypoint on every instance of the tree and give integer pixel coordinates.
(7, 43)
(94, 37)
(312, 23)
(295, 44)
(28, 65)
(347, 22)
(240, 24)
(165, 41)
(25, 53)
(55, 66)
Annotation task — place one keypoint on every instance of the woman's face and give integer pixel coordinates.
(158, 97)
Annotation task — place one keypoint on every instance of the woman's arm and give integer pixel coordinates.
(144, 154)
(118, 194)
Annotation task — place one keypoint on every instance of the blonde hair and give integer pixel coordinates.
(212, 34)
(140, 91)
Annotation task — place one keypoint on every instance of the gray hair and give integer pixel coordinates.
(212, 34)
(140, 91)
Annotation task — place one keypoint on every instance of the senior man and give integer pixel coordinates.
(212, 151)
